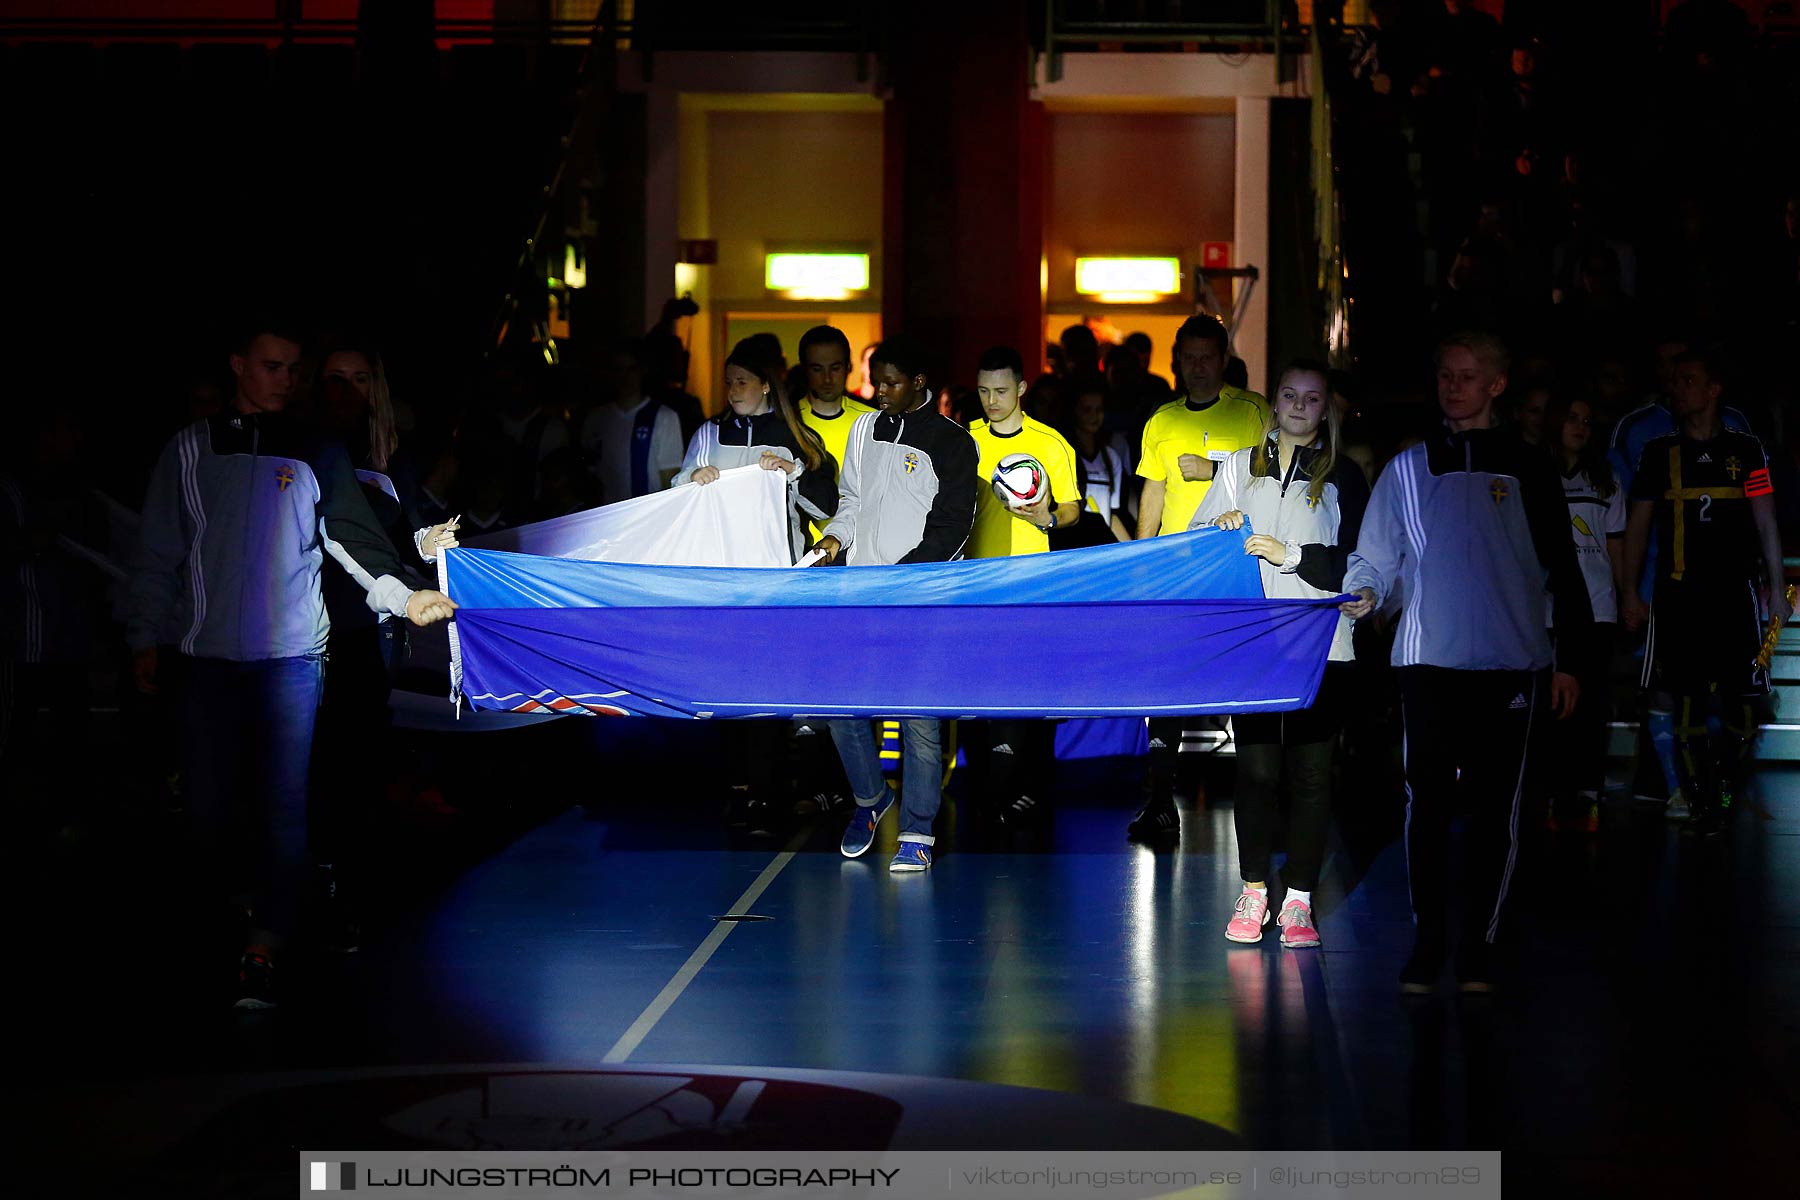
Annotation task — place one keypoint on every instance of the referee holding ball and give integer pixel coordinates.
(1020, 752)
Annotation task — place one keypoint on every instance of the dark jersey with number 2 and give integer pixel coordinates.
(1705, 534)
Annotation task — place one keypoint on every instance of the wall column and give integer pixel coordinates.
(963, 186)
(1250, 242)
(662, 173)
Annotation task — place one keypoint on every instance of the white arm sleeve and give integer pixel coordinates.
(698, 454)
(1381, 544)
(385, 594)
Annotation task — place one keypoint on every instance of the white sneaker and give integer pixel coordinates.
(1678, 809)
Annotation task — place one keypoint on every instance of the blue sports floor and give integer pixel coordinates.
(1649, 1034)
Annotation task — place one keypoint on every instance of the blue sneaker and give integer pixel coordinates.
(912, 856)
(860, 834)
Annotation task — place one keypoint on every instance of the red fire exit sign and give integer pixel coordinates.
(1215, 255)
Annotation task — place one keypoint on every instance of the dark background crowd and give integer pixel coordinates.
(1593, 211)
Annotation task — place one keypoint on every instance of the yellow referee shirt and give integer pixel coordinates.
(833, 431)
(1232, 422)
(997, 532)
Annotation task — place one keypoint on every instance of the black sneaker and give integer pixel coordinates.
(256, 982)
(1419, 976)
(1709, 822)
(762, 820)
(1474, 968)
(822, 804)
(1157, 821)
(737, 810)
(753, 814)
(1024, 811)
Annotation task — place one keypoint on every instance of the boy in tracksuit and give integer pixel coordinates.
(1472, 528)
(906, 494)
(240, 512)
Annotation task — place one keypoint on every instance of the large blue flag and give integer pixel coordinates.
(1171, 625)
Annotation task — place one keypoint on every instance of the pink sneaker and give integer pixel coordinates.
(1252, 913)
(1297, 931)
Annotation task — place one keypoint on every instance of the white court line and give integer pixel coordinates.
(671, 991)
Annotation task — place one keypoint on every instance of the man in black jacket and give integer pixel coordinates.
(906, 494)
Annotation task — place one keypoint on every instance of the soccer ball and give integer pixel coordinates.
(1020, 481)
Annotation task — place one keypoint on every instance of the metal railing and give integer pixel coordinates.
(1221, 26)
(852, 25)
(276, 30)
(648, 24)
(1218, 25)
(1132, 20)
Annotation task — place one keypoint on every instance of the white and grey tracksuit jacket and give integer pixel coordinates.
(240, 513)
(1472, 529)
(1319, 536)
(907, 490)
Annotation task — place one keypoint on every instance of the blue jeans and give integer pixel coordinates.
(247, 741)
(921, 772)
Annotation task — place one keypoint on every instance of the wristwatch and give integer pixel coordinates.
(1052, 524)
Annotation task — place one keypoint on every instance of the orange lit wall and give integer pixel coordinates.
(1135, 183)
(804, 177)
(775, 171)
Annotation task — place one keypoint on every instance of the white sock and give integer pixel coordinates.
(1296, 894)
